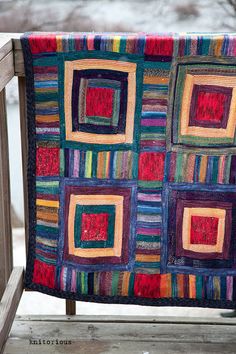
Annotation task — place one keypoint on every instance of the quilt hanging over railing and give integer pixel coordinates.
(132, 167)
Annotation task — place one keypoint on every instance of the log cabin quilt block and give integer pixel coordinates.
(132, 167)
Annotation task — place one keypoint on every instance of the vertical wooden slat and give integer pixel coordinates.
(6, 257)
(24, 149)
(9, 303)
(70, 307)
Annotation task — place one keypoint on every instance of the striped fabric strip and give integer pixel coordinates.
(178, 286)
(100, 165)
(47, 230)
(184, 44)
(199, 168)
(148, 230)
(154, 104)
(46, 98)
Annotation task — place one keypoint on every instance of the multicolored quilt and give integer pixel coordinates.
(132, 167)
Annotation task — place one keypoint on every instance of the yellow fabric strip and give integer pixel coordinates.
(50, 203)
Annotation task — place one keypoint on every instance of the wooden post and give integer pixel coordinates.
(24, 151)
(70, 307)
(6, 257)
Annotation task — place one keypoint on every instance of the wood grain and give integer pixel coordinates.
(9, 303)
(6, 44)
(70, 307)
(19, 63)
(200, 333)
(10, 43)
(6, 258)
(18, 57)
(6, 70)
(24, 346)
(131, 319)
(24, 151)
(130, 336)
(6, 59)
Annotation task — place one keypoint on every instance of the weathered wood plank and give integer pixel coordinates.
(70, 307)
(6, 69)
(10, 43)
(127, 337)
(24, 346)
(24, 151)
(6, 258)
(166, 332)
(16, 41)
(6, 45)
(9, 303)
(6, 59)
(18, 57)
(130, 319)
(19, 62)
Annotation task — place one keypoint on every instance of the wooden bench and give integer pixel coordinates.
(71, 333)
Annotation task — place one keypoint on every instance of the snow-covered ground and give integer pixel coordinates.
(133, 15)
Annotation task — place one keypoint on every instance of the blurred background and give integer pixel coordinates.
(117, 15)
(18, 16)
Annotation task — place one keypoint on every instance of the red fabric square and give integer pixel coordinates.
(94, 227)
(204, 230)
(147, 285)
(47, 161)
(99, 102)
(44, 274)
(46, 44)
(159, 46)
(210, 106)
(151, 166)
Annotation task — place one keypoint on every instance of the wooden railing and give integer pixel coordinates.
(6, 256)
(11, 280)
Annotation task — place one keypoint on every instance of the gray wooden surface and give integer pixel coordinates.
(121, 335)
(6, 258)
(6, 60)
(24, 152)
(9, 303)
(6, 74)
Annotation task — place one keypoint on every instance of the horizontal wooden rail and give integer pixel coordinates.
(11, 58)
(7, 70)
(130, 319)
